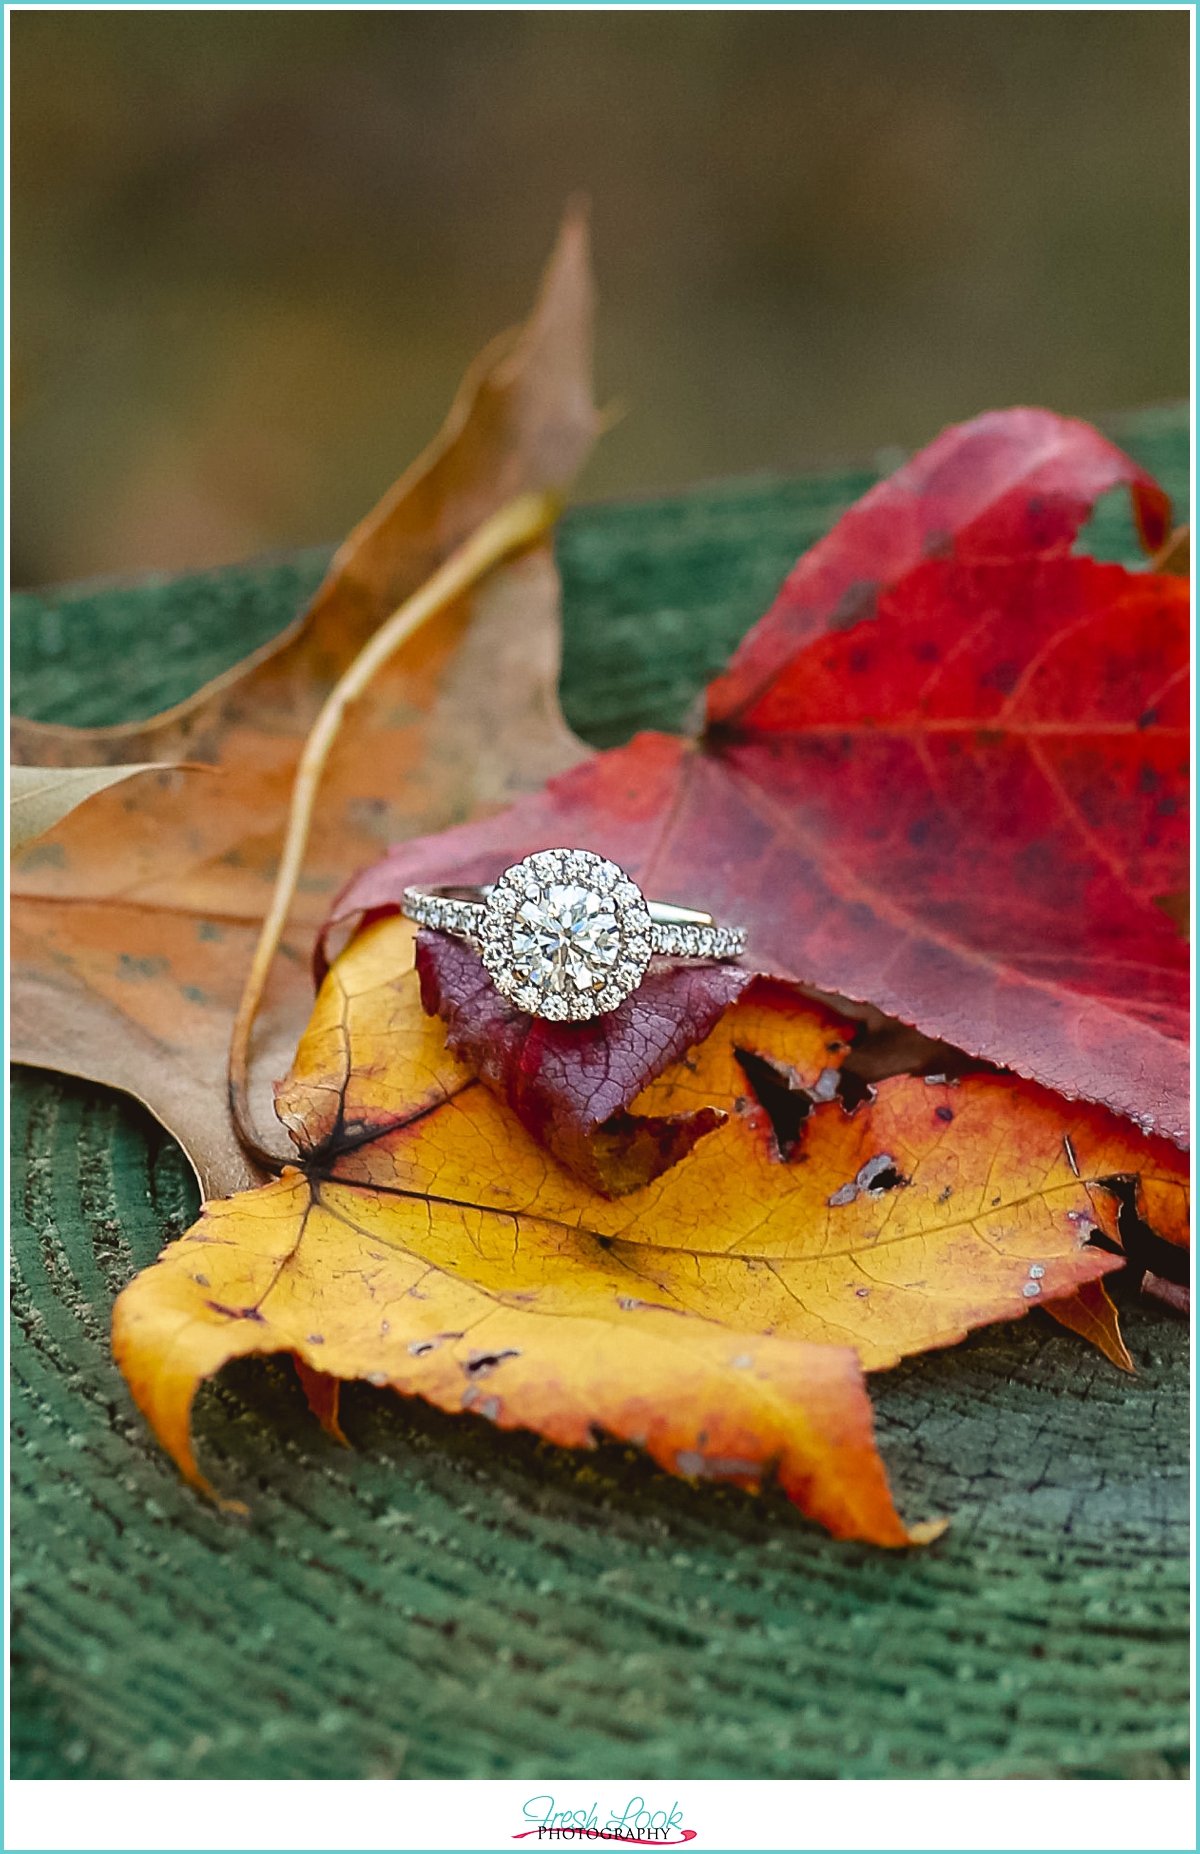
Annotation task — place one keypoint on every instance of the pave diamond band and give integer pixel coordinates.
(565, 934)
(672, 939)
(446, 914)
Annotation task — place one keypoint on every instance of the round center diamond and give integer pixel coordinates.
(566, 935)
(565, 939)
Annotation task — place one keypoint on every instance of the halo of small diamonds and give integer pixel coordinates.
(566, 935)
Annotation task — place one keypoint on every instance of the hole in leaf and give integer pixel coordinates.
(786, 1102)
(880, 1174)
(1144, 1248)
(854, 1091)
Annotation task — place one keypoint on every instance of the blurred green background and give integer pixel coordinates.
(253, 251)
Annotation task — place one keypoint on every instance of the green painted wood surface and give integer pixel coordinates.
(449, 1602)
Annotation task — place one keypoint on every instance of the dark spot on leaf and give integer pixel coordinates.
(1148, 718)
(859, 660)
(419, 1347)
(1148, 779)
(926, 651)
(236, 1313)
(943, 1113)
(43, 856)
(1042, 866)
(1002, 677)
(482, 1364)
(129, 967)
(858, 602)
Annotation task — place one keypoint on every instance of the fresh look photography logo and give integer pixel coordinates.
(636, 1825)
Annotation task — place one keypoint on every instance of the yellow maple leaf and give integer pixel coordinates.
(720, 1316)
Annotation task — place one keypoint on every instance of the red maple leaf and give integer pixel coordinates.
(946, 773)
(571, 1085)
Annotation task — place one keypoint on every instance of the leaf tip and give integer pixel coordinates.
(323, 1393)
(926, 1531)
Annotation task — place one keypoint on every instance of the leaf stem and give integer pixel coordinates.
(511, 530)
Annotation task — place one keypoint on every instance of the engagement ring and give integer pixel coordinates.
(566, 934)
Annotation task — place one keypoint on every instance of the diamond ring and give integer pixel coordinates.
(566, 934)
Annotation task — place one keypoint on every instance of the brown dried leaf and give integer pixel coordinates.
(133, 927)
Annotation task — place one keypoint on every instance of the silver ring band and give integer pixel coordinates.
(567, 934)
(675, 933)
